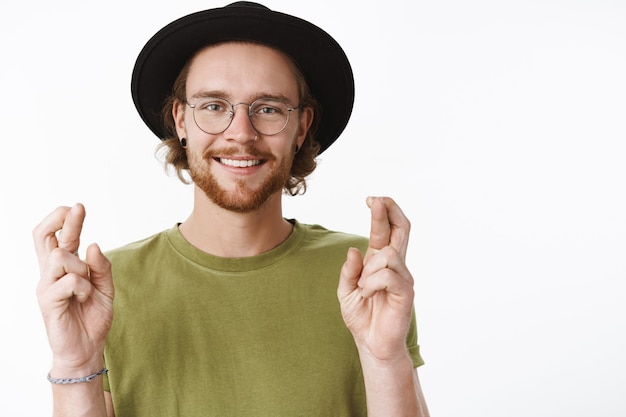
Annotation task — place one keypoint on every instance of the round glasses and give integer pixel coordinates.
(268, 116)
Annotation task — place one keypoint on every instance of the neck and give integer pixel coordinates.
(229, 234)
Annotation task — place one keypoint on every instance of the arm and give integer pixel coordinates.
(76, 302)
(376, 297)
(109, 404)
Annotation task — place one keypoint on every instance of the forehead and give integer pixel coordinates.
(242, 70)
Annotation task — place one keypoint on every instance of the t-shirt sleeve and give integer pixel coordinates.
(411, 342)
(105, 378)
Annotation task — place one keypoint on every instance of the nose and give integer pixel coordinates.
(240, 128)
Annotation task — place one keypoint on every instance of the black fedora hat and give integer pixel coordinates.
(321, 59)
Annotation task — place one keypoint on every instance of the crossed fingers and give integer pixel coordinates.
(64, 275)
(389, 227)
(385, 271)
(60, 229)
(57, 239)
(384, 266)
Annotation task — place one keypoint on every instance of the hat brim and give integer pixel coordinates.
(321, 59)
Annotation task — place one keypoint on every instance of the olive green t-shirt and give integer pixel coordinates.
(199, 335)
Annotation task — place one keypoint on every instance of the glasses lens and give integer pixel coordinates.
(212, 115)
(269, 116)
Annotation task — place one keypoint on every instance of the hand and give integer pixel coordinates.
(376, 292)
(75, 297)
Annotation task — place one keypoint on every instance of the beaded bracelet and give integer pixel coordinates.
(87, 378)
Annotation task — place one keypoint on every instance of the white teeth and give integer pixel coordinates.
(240, 163)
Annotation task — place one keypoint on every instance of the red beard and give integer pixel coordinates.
(244, 199)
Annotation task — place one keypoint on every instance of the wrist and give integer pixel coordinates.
(392, 362)
(390, 384)
(77, 380)
(75, 369)
(384, 359)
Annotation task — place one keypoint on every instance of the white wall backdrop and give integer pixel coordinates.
(506, 146)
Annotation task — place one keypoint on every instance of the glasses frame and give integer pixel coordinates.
(232, 113)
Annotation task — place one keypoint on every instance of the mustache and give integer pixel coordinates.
(230, 151)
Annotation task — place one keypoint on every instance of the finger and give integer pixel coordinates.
(69, 236)
(350, 273)
(380, 232)
(387, 258)
(44, 234)
(100, 270)
(399, 225)
(388, 281)
(70, 285)
(60, 263)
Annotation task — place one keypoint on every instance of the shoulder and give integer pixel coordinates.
(139, 250)
(320, 237)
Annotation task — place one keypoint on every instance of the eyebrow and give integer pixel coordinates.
(223, 94)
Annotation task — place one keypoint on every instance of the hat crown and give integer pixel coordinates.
(247, 4)
(160, 61)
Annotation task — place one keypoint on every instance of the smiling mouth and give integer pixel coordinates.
(239, 163)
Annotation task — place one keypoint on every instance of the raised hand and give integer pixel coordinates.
(376, 292)
(75, 296)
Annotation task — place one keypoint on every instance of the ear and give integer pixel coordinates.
(305, 121)
(178, 113)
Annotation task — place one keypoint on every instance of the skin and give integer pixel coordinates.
(239, 73)
(76, 302)
(243, 218)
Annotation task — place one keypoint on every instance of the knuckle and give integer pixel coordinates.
(71, 281)
(386, 276)
(40, 232)
(57, 255)
(75, 279)
(389, 252)
(36, 232)
(63, 240)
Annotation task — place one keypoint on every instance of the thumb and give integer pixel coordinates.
(99, 270)
(350, 273)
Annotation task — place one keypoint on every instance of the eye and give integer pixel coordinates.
(268, 108)
(213, 106)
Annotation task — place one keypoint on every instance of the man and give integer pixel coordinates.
(236, 310)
